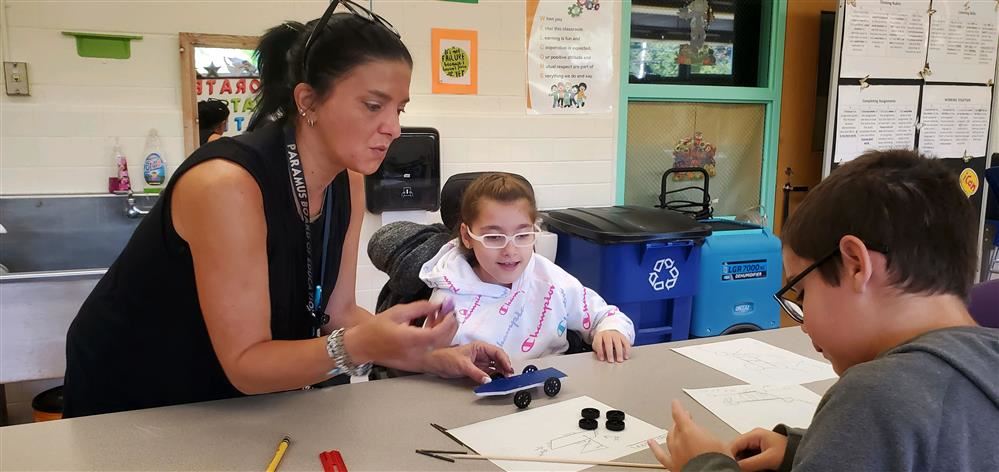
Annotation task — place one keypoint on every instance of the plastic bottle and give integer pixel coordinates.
(120, 183)
(154, 166)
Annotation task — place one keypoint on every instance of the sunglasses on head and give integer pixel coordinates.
(351, 7)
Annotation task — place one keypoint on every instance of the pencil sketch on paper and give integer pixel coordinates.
(553, 431)
(576, 443)
(757, 362)
(745, 407)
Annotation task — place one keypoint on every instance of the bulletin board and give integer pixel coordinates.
(916, 74)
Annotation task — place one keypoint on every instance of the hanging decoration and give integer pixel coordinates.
(694, 151)
(699, 14)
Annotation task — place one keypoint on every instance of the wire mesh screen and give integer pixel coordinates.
(730, 134)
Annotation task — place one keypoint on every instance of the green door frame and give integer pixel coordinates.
(771, 54)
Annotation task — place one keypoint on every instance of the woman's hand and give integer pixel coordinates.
(475, 360)
(389, 340)
(611, 346)
(686, 440)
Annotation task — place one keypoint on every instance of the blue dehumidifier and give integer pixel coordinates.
(741, 269)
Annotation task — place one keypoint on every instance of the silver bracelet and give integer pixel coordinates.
(336, 350)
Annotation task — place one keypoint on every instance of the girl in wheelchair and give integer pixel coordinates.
(506, 294)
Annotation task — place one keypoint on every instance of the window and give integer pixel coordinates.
(698, 42)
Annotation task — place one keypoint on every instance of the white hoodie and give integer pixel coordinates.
(528, 320)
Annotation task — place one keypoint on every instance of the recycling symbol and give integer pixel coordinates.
(656, 276)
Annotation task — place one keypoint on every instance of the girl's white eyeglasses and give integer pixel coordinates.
(500, 241)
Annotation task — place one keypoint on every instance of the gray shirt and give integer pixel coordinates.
(931, 403)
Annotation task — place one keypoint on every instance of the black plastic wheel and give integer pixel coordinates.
(496, 376)
(552, 386)
(530, 368)
(588, 424)
(522, 399)
(614, 425)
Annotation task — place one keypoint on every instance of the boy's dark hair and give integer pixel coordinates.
(348, 41)
(909, 205)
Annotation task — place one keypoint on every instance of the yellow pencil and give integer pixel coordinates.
(282, 446)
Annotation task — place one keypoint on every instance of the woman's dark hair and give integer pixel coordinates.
(348, 41)
(211, 113)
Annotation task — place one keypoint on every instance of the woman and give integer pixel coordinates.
(213, 120)
(241, 280)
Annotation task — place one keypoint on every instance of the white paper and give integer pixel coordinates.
(570, 58)
(885, 39)
(744, 407)
(553, 431)
(757, 362)
(878, 117)
(955, 120)
(963, 40)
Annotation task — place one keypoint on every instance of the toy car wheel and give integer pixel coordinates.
(552, 386)
(530, 368)
(522, 399)
(496, 376)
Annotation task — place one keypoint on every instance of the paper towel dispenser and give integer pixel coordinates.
(410, 176)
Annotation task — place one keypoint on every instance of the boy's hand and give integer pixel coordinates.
(686, 441)
(765, 450)
(611, 346)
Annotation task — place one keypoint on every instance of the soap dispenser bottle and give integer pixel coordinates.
(154, 166)
(120, 182)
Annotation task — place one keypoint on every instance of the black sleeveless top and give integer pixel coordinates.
(140, 340)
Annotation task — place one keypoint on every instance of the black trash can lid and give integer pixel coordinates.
(626, 224)
(49, 401)
(729, 225)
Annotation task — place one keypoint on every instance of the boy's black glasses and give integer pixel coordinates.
(353, 8)
(792, 300)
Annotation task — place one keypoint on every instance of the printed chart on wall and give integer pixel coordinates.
(885, 38)
(570, 64)
(875, 117)
(964, 38)
(230, 75)
(955, 121)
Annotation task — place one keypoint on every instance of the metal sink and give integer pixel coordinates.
(56, 249)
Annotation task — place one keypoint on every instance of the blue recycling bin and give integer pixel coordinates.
(741, 269)
(644, 260)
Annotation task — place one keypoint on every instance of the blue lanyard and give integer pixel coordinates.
(313, 297)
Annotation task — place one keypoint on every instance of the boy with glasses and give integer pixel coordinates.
(885, 249)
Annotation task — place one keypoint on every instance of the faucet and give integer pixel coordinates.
(131, 209)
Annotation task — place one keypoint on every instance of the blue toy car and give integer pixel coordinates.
(521, 384)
